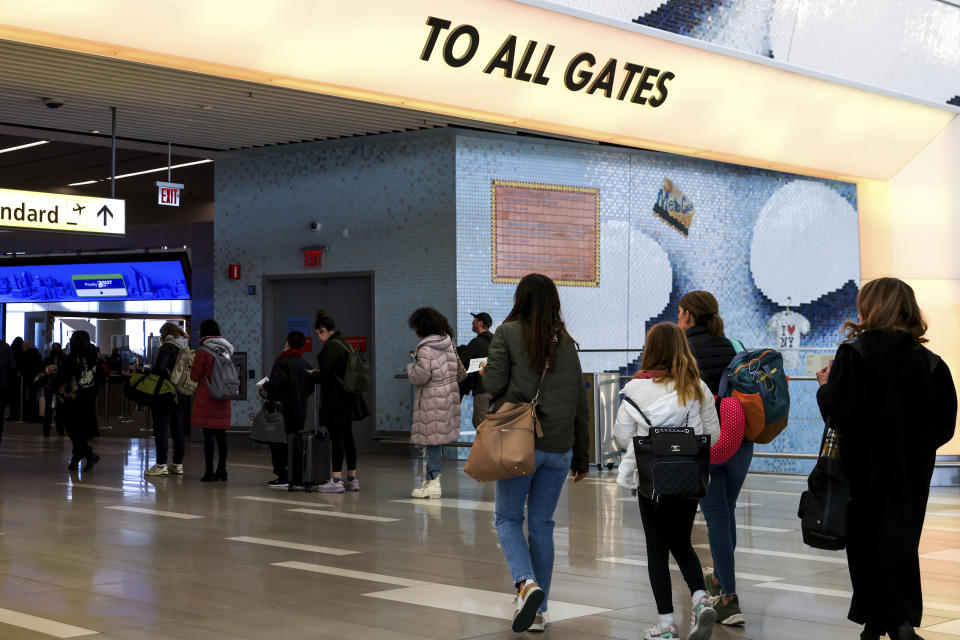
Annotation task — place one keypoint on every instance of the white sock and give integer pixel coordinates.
(526, 582)
(697, 595)
(666, 620)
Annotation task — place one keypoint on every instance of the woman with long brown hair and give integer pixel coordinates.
(532, 353)
(668, 392)
(894, 404)
(699, 317)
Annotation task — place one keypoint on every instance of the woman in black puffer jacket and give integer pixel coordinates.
(700, 317)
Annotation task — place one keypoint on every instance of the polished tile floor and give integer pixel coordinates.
(109, 554)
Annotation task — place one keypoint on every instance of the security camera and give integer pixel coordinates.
(53, 103)
(315, 226)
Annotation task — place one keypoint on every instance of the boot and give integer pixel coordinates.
(429, 489)
(220, 474)
(905, 632)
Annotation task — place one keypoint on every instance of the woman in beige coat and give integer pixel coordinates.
(436, 404)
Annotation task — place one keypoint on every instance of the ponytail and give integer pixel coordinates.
(703, 306)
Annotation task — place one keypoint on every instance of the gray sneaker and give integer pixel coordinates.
(351, 485)
(331, 487)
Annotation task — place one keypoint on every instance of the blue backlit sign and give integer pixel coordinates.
(156, 280)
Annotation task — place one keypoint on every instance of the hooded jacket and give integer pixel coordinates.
(167, 355)
(208, 412)
(436, 403)
(660, 403)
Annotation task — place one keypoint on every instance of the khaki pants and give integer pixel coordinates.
(481, 404)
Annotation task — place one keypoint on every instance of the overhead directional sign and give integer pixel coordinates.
(36, 211)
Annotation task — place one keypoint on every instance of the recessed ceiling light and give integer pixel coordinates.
(207, 107)
(95, 131)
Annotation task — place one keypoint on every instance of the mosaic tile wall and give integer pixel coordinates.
(396, 196)
(760, 240)
(910, 48)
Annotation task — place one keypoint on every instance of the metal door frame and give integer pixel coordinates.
(267, 303)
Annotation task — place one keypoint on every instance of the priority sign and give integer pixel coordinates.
(37, 211)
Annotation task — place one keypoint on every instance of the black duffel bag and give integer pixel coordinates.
(671, 462)
(824, 505)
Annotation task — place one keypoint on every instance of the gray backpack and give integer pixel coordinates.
(224, 381)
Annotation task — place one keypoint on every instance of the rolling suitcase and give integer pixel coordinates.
(308, 465)
(308, 461)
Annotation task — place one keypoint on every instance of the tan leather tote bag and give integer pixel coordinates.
(504, 444)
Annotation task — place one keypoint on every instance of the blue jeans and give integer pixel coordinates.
(540, 492)
(434, 460)
(718, 507)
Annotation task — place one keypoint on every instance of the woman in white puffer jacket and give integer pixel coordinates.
(669, 393)
(436, 403)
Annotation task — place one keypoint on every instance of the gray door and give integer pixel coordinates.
(291, 303)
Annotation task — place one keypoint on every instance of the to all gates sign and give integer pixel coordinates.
(36, 211)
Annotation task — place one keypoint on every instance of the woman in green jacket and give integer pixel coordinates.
(532, 352)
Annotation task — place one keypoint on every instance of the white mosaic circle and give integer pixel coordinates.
(805, 244)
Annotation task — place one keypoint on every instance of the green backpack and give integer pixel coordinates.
(356, 378)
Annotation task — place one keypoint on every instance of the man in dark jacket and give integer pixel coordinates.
(8, 375)
(479, 347)
(291, 384)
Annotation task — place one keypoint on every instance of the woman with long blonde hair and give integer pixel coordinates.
(894, 404)
(668, 392)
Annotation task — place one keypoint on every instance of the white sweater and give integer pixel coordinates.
(660, 403)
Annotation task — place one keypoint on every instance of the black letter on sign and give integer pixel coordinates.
(604, 81)
(584, 76)
(522, 73)
(662, 87)
(644, 84)
(538, 77)
(632, 70)
(474, 36)
(435, 24)
(503, 58)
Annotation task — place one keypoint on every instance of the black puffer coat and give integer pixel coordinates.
(712, 355)
(291, 384)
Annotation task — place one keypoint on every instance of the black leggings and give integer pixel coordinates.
(341, 442)
(667, 527)
(220, 437)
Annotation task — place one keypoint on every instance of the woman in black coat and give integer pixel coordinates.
(78, 380)
(894, 404)
(337, 406)
(291, 384)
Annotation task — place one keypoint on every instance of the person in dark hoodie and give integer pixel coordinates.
(8, 376)
(78, 381)
(290, 383)
(51, 365)
(31, 368)
(894, 404)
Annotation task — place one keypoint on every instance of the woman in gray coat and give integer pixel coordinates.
(436, 404)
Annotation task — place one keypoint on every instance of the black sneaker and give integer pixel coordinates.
(92, 459)
(277, 484)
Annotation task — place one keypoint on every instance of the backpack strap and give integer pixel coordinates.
(639, 410)
(737, 345)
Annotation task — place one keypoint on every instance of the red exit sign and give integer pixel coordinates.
(313, 258)
(168, 194)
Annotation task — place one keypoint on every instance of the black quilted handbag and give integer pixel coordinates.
(672, 462)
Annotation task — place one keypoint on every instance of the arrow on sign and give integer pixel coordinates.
(106, 213)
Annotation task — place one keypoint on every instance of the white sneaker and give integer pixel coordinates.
(429, 489)
(702, 618)
(175, 469)
(157, 470)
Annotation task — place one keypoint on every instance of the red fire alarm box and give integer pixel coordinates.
(234, 272)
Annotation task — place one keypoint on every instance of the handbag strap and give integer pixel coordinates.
(540, 384)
